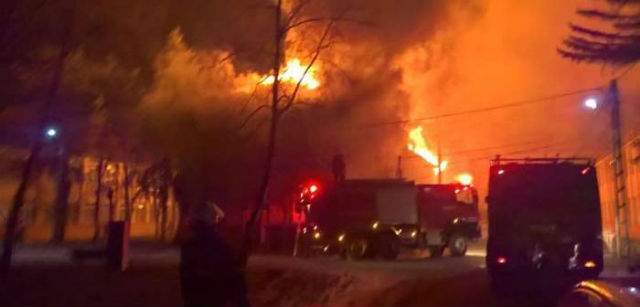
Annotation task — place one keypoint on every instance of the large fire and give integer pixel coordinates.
(294, 72)
(465, 178)
(418, 145)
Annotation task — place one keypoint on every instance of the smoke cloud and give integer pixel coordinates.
(389, 61)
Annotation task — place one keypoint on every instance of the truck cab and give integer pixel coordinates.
(448, 217)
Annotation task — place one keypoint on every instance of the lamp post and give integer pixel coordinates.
(612, 98)
(619, 183)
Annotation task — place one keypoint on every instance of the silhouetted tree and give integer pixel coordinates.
(281, 99)
(37, 143)
(98, 196)
(619, 45)
(61, 204)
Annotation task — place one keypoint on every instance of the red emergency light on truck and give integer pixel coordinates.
(365, 218)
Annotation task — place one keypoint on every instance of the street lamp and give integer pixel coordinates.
(51, 132)
(591, 103)
(611, 98)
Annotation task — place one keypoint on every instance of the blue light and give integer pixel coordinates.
(51, 132)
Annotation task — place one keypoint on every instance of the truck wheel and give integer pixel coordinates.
(358, 248)
(458, 245)
(388, 247)
(436, 251)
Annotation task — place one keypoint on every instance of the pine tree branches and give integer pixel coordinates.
(619, 45)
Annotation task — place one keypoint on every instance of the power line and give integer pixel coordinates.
(486, 109)
(413, 157)
(513, 152)
(488, 148)
(489, 157)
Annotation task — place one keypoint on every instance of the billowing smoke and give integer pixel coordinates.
(212, 67)
(188, 71)
(390, 61)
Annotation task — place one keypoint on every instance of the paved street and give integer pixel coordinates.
(443, 281)
(45, 276)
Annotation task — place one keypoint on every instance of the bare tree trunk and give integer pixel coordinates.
(174, 211)
(116, 190)
(81, 190)
(127, 198)
(163, 217)
(165, 182)
(112, 205)
(96, 206)
(62, 200)
(18, 200)
(156, 216)
(261, 199)
(18, 203)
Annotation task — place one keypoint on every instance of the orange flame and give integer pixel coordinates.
(418, 145)
(465, 178)
(293, 73)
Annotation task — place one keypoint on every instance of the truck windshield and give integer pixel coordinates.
(459, 193)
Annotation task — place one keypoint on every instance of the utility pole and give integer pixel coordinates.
(619, 180)
(399, 168)
(439, 165)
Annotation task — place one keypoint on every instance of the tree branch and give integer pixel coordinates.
(215, 64)
(628, 25)
(248, 118)
(604, 15)
(253, 94)
(297, 9)
(321, 45)
(592, 51)
(604, 35)
(305, 21)
(623, 2)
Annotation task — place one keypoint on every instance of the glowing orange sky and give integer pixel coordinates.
(510, 55)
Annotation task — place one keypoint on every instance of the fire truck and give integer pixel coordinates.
(367, 218)
(544, 217)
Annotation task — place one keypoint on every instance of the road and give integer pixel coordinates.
(424, 282)
(153, 280)
(441, 282)
(417, 280)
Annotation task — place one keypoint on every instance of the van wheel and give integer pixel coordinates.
(358, 248)
(458, 245)
(436, 251)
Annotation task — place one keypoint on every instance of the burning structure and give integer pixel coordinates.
(175, 73)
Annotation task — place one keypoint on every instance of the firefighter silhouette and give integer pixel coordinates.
(338, 167)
